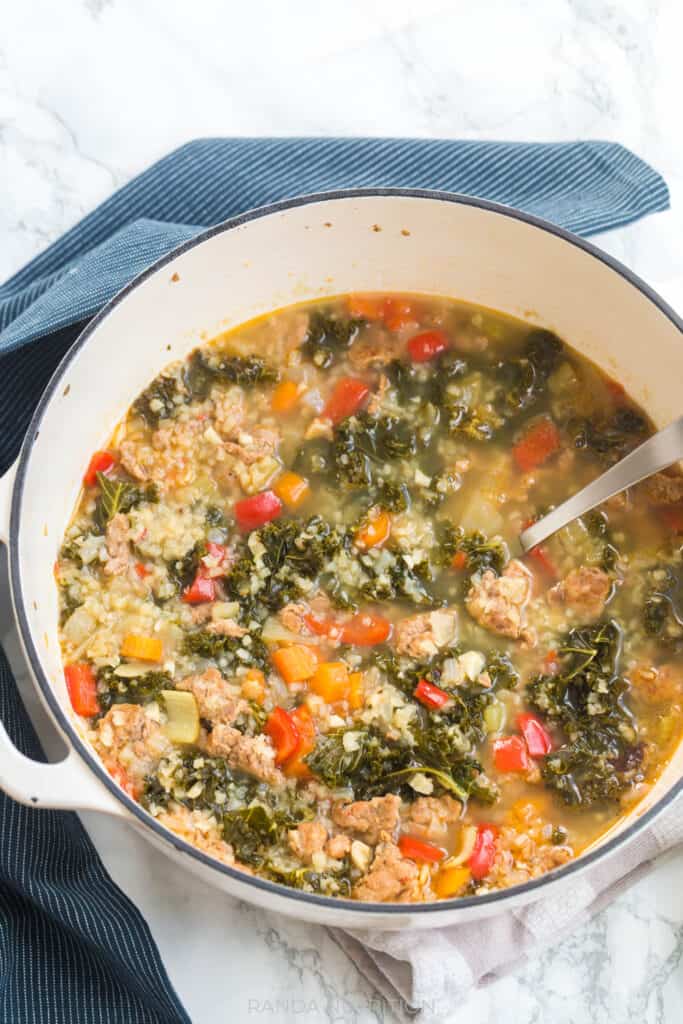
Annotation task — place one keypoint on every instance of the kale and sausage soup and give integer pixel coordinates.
(298, 628)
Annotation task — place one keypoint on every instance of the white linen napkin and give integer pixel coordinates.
(423, 975)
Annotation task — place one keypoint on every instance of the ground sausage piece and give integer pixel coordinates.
(127, 738)
(227, 627)
(215, 697)
(306, 839)
(586, 589)
(170, 460)
(338, 846)
(660, 685)
(664, 488)
(293, 615)
(429, 817)
(377, 347)
(423, 636)
(251, 754)
(369, 818)
(118, 547)
(391, 878)
(497, 602)
(252, 445)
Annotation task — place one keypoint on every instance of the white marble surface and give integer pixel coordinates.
(91, 92)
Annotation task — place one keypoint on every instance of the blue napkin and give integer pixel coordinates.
(73, 947)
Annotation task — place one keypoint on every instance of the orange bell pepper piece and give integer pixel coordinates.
(292, 489)
(296, 663)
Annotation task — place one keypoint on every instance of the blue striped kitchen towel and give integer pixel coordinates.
(73, 947)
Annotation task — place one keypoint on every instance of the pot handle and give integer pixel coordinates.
(6, 488)
(68, 785)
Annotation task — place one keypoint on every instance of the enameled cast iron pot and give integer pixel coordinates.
(307, 248)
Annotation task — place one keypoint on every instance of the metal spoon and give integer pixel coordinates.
(658, 452)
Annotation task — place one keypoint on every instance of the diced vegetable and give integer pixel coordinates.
(538, 740)
(459, 561)
(182, 725)
(428, 345)
(450, 881)
(540, 555)
(119, 775)
(511, 755)
(347, 398)
(101, 462)
(672, 517)
(398, 313)
(484, 853)
(356, 692)
(292, 489)
(283, 733)
(431, 696)
(258, 510)
(202, 589)
(285, 397)
(365, 630)
(144, 648)
(417, 849)
(541, 440)
(82, 687)
(494, 717)
(331, 681)
(374, 531)
(254, 685)
(295, 767)
(142, 570)
(296, 663)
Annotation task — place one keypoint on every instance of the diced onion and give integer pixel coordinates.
(494, 717)
(275, 632)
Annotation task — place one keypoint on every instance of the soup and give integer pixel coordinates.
(296, 622)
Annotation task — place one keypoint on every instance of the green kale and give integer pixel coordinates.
(211, 780)
(587, 699)
(203, 371)
(377, 765)
(182, 571)
(481, 553)
(337, 882)
(251, 721)
(501, 671)
(293, 550)
(71, 551)
(229, 651)
(68, 603)
(215, 517)
(253, 830)
(160, 401)
(363, 444)
(523, 380)
(597, 524)
(328, 338)
(663, 606)
(610, 438)
(118, 496)
(402, 580)
(113, 689)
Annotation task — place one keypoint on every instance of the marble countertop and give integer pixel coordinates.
(91, 91)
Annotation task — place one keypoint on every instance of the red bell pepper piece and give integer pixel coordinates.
(142, 570)
(538, 740)
(295, 766)
(510, 754)
(417, 849)
(426, 346)
(215, 551)
(429, 695)
(541, 557)
(82, 686)
(484, 853)
(203, 589)
(348, 396)
(672, 517)
(101, 462)
(258, 510)
(365, 630)
(541, 440)
(282, 730)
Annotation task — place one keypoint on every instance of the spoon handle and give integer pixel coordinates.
(659, 451)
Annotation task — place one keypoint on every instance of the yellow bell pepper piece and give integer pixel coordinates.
(450, 881)
(144, 648)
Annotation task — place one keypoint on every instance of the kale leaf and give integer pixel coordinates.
(327, 339)
(113, 689)
(118, 496)
(230, 651)
(159, 401)
(203, 371)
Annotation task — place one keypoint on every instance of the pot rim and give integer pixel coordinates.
(498, 897)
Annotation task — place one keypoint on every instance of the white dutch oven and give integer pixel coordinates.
(370, 240)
